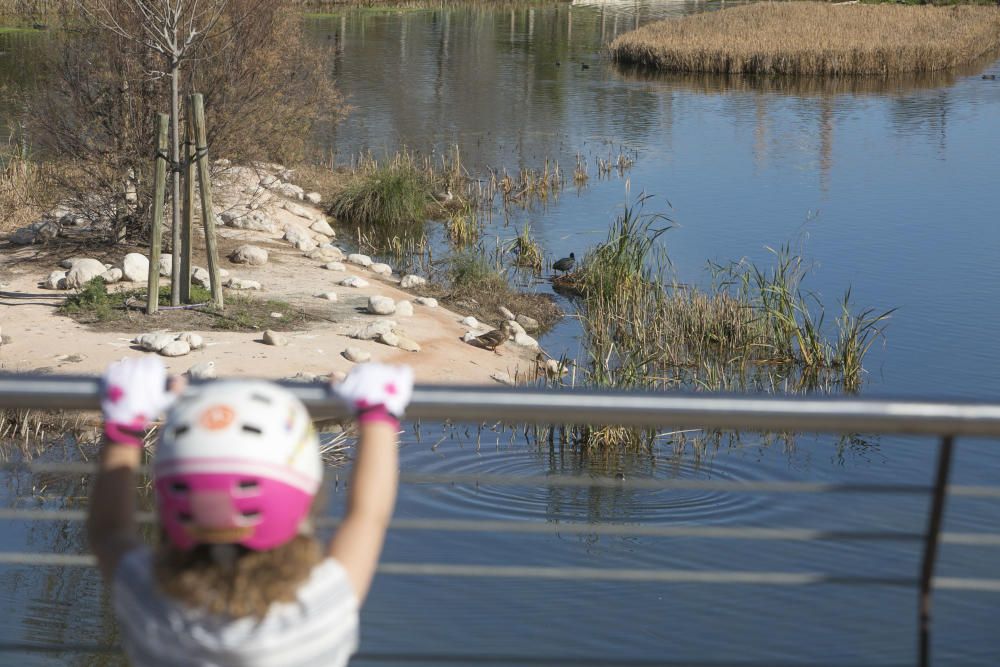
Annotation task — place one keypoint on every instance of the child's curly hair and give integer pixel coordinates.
(245, 583)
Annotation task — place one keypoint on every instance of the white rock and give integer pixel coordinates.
(554, 368)
(470, 322)
(529, 323)
(108, 266)
(302, 376)
(299, 237)
(381, 305)
(166, 265)
(276, 315)
(249, 254)
(389, 339)
(515, 327)
(503, 378)
(69, 262)
(326, 253)
(223, 273)
(407, 344)
(410, 281)
(84, 271)
(507, 315)
(314, 197)
(404, 308)
(203, 371)
(469, 337)
(354, 281)
(357, 355)
(194, 340)
(111, 276)
(298, 210)
(56, 280)
(201, 277)
(359, 259)
(154, 342)
(329, 296)
(274, 338)
(177, 348)
(429, 302)
(381, 269)
(289, 190)
(269, 181)
(374, 330)
(525, 340)
(334, 266)
(135, 268)
(256, 221)
(323, 227)
(241, 283)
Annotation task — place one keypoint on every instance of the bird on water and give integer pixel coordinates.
(565, 264)
(491, 340)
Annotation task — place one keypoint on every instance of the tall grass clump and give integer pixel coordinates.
(389, 195)
(812, 38)
(756, 329)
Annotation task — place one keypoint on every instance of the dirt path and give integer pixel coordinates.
(37, 338)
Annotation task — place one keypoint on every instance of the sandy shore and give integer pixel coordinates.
(37, 338)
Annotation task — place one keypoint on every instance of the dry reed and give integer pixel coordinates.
(815, 39)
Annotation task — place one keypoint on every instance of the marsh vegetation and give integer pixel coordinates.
(757, 328)
(812, 38)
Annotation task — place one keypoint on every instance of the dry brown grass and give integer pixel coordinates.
(815, 39)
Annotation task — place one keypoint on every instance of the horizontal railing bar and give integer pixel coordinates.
(573, 528)
(455, 658)
(548, 406)
(588, 573)
(576, 481)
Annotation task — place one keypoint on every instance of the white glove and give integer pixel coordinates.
(133, 394)
(375, 389)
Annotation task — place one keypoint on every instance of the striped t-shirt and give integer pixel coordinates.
(319, 628)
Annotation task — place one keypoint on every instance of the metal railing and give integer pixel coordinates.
(544, 406)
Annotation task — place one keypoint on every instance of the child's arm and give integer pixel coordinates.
(379, 394)
(133, 393)
(111, 525)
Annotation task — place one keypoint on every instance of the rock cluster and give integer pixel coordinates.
(169, 344)
(249, 254)
(410, 281)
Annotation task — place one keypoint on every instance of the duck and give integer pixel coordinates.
(491, 340)
(990, 77)
(565, 264)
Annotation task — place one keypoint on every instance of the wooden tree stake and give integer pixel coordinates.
(197, 114)
(160, 181)
(187, 227)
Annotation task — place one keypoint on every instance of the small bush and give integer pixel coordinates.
(93, 302)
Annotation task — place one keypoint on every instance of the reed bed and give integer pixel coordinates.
(757, 329)
(816, 39)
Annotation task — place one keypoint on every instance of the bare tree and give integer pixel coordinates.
(176, 30)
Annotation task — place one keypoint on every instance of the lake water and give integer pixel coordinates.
(886, 186)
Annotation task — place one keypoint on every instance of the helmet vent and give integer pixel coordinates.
(253, 429)
(251, 514)
(184, 517)
(248, 484)
(181, 430)
(179, 487)
(261, 398)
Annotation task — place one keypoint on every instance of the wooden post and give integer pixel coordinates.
(197, 115)
(187, 225)
(160, 185)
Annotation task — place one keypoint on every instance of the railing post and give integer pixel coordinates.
(156, 234)
(931, 546)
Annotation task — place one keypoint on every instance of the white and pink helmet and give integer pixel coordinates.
(238, 463)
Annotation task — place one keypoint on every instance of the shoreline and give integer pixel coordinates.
(37, 338)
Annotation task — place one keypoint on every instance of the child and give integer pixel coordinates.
(239, 578)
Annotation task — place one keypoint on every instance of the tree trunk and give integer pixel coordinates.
(175, 181)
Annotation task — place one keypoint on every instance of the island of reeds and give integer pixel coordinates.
(815, 39)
